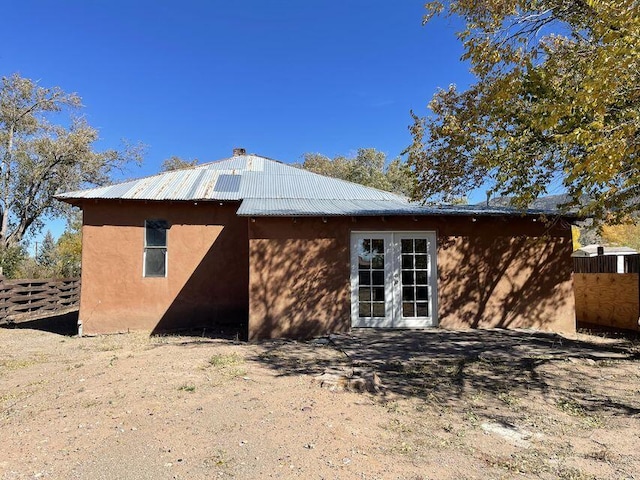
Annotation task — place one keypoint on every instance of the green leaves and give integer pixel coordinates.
(557, 99)
(368, 168)
(39, 159)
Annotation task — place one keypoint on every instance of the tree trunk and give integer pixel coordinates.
(6, 175)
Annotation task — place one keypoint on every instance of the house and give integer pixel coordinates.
(601, 259)
(284, 252)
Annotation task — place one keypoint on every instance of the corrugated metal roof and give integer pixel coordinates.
(592, 251)
(271, 188)
(305, 207)
(306, 186)
(300, 207)
(237, 178)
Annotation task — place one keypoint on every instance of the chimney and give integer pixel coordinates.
(239, 151)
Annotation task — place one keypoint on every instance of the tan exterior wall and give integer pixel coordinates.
(492, 272)
(291, 278)
(207, 274)
(298, 278)
(506, 273)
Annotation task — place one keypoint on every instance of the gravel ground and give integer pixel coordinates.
(424, 405)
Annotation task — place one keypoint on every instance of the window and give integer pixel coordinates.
(155, 248)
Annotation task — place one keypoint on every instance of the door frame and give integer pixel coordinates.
(393, 311)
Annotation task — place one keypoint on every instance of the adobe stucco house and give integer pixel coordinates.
(253, 242)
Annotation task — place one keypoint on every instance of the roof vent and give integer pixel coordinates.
(239, 151)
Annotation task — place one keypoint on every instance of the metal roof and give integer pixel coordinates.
(273, 207)
(270, 188)
(592, 251)
(236, 178)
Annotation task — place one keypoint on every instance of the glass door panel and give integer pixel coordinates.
(416, 255)
(374, 292)
(392, 279)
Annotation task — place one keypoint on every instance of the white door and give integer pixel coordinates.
(393, 279)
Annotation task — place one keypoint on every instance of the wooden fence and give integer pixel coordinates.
(604, 298)
(30, 299)
(607, 264)
(607, 300)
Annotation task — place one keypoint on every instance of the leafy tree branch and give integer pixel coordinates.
(556, 102)
(40, 159)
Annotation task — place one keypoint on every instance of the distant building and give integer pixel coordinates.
(613, 260)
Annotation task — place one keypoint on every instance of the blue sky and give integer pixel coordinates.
(197, 78)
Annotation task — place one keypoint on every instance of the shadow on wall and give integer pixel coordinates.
(214, 300)
(299, 288)
(505, 282)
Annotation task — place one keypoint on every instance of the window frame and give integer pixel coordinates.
(147, 247)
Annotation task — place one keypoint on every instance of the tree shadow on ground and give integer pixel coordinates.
(66, 324)
(449, 367)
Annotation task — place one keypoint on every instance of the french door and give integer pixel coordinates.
(393, 279)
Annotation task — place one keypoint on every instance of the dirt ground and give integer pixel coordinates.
(434, 405)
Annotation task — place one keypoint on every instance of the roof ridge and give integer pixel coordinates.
(255, 176)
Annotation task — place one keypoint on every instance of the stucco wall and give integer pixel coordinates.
(492, 272)
(207, 274)
(511, 273)
(299, 277)
(291, 277)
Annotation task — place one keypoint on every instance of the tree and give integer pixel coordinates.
(622, 235)
(53, 259)
(177, 163)
(556, 102)
(46, 254)
(575, 237)
(69, 249)
(400, 178)
(39, 159)
(368, 168)
(11, 259)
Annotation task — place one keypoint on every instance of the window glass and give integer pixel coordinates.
(155, 262)
(371, 277)
(378, 309)
(408, 309)
(364, 309)
(156, 233)
(364, 277)
(421, 245)
(407, 262)
(421, 277)
(407, 293)
(421, 261)
(155, 248)
(378, 277)
(364, 294)
(378, 262)
(422, 309)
